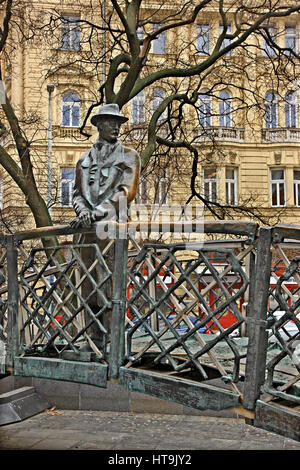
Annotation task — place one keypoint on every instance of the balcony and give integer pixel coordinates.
(139, 131)
(70, 133)
(229, 134)
(282, 134)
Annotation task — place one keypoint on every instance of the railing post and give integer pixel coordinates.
(117, 344)
(256, 321)
(13, 301)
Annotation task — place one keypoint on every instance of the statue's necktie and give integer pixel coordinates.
(103, 151)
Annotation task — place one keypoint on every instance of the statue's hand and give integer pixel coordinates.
(82, 220)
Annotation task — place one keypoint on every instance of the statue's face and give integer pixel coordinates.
(109, 129)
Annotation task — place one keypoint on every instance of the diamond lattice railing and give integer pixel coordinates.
(181, 306)
(55, 300)
(284, 324)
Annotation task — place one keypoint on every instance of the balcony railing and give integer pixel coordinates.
(140, 130)
(70, 133)
(287, 134)
(230, 134)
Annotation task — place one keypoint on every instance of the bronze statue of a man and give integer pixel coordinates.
(105, 174)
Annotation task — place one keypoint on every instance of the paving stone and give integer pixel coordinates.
(14, 443)
(53, 444)
(99, 430)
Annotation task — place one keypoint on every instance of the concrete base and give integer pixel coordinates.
(19, 404)
(76, 396)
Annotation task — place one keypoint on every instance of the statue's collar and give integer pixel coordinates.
(100, 142)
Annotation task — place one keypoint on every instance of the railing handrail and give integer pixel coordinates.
(286, 231)
(230, 227)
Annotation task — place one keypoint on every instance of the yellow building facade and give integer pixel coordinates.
(244, 124)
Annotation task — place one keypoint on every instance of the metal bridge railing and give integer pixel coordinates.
(193, 312)
(283, 317)
(182, 306)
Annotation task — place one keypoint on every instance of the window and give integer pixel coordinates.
(204, 110)
(225, 109)
(271, 110)
(67, 176)
(290, 108)
(277, 187)
(161, 187)
(70, 33)
(210, 184)
(157, 97)
(297, 187)
(231, 186)
(290, 38)
(70, 110)
(160, 43)
(1, 193)
(140, 32)
(203, 35)
(142, 192)
(138, 108)
(227, 41)
(268, 37)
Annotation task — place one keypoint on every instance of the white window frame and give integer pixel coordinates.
(211, 184)
(140, 33)
(205, 110)
(271, 107)
(142, 192)
(70, 108)
(162, 189)
(158, 96)
(70, 33)
(203, 39)
(225, 109)
(291, 38)
(268, 50)
(138, 108)
(69, 184)
(1, 193)
(296, 188)
(226, 42)
(231, 186)
(276, 183)
(159, 45)
(290, 110)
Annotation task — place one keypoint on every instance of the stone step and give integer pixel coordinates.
(20, 404)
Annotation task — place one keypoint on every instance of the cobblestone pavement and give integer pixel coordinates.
(106, 430)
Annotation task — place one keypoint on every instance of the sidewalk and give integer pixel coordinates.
(107, 430)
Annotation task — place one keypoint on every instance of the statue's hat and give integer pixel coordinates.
(108, 110)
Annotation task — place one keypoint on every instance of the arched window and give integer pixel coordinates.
(271, 110)
(225, 109)
(290, 109)
(138, 108)
(204, 109)
(157, 97)
(70, 110)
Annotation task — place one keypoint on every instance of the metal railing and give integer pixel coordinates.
(222, 314)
